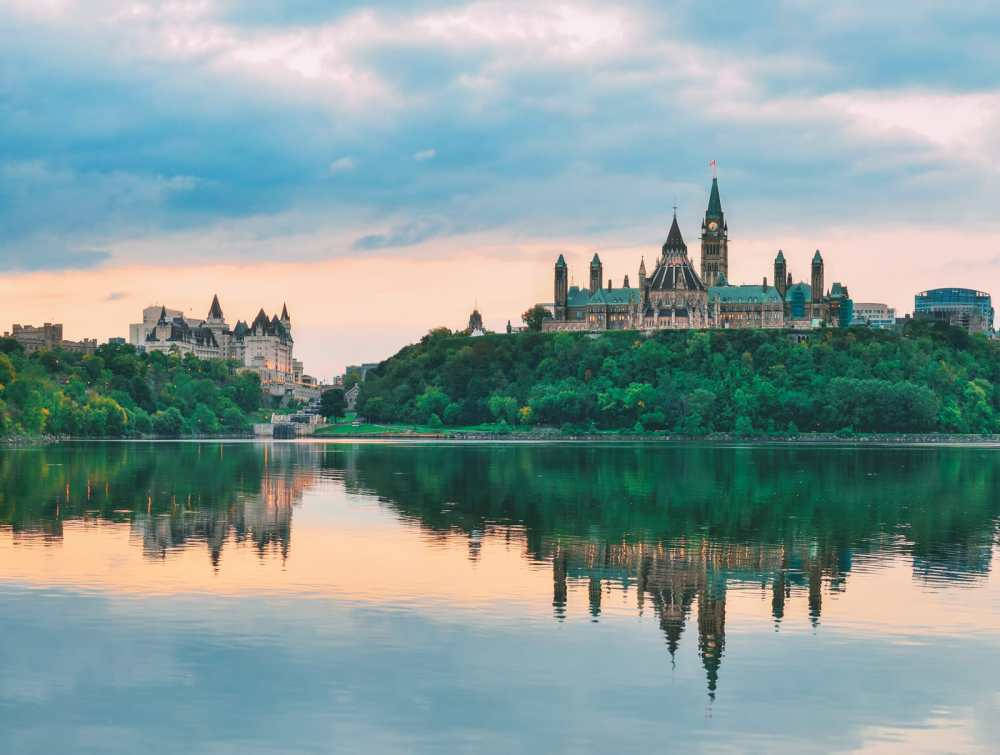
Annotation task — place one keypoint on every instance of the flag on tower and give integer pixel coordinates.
(714, 166)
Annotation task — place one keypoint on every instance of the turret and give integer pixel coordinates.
(642, 273)
(561, 289)
(285, 320)
(817, 277)
(625, 282)
(674, 246)
(714, 240)
(215, 310)
(596, 274)
(780, 273)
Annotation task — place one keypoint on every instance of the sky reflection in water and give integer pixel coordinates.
(367, 597)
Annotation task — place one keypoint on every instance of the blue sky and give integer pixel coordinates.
(175, 134)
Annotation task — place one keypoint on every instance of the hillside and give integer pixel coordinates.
(120, 393)
(927, 378)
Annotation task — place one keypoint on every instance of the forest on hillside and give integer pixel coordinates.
(927, 377)
(118, 392)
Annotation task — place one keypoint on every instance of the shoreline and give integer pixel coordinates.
(830, 439)
(804, 438)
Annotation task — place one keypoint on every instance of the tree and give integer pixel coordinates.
(7, 372)
(168, 423)
(204, 420)
(432, 401)
(535, 316)
(332, 403)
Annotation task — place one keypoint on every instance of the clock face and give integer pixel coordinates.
(713, 226)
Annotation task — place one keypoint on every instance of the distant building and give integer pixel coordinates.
(360, 370)
(48, 336)
(351, 397)
(759, 306)
(264, 345)
(117, 341)
(874, 315)
(675, 296)
(475, 324)
(962, 307)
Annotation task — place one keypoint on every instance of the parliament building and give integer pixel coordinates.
(676, 296)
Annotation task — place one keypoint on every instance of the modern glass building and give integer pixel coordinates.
(964, 307)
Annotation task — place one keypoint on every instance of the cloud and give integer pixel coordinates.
(408, 234)
(141, 126)
(342, 165)
(49, 255)
(116, 296)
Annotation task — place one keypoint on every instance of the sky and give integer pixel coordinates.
(385, 167)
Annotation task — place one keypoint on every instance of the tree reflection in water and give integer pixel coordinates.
(676, 523)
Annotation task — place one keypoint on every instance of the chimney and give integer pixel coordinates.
(763, 286)
(609, 284)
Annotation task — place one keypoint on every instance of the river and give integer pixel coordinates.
(489, 597)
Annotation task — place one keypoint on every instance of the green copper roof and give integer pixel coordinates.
(747, 293)
(817, 257)
(577, 297)
(714, 202)
(560, 262)
(581, 297)
(615, 296)
(780, 257)
(596, 261)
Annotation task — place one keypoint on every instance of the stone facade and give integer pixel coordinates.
(264, 346)
(48, 336)
(674, 296)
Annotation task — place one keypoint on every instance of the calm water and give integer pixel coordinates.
(238, 597)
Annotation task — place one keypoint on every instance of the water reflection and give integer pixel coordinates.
(674, 527)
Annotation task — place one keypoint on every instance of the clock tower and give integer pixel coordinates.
(714, 241)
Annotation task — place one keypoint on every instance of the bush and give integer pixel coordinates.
(169, 423)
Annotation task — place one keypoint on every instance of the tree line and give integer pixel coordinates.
(120, 392)
(926, 377)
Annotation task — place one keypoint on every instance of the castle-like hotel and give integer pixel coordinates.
(264, 345)
(674, 296)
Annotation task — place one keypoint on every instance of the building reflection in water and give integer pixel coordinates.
(692, 575)
(172, 497)
(680, 525)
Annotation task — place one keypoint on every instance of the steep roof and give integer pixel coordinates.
(804, 288)
(817, 257)
(675, 274)
(675, 242)
(596, 261)
(674, 271)
(284, 312)
(560, 262)
(714, 202)
(780, 257)
(744, 293)
(577, 297)
(163, 317)
(215, 311)
(615, 296)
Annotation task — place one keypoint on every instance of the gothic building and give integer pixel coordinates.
(805, 304)
(264, 345)
(674, 296)
(714, 240)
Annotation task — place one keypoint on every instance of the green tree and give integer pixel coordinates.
(7, 372)
(168, 423)
(332, 403)
(535, 316)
